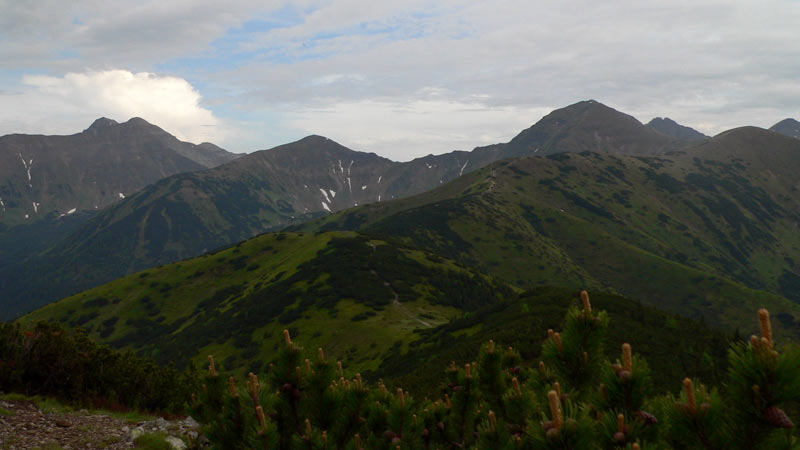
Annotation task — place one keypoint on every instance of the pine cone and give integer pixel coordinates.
(777, 418)
(619, 437)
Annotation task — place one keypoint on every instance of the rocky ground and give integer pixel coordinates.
(24, 426)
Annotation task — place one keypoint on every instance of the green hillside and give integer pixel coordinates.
(696, 349)
(704, 233)
(386, 310)
(342, 291)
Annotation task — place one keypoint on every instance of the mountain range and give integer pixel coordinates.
(667, 226)
(187, 214)
(718, 208)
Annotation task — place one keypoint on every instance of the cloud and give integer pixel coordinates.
(73, 35)
(402, 131)
(472, 69)
(711, 64)
(71, 102)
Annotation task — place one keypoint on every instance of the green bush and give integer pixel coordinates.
(574, 398)
(47, 360)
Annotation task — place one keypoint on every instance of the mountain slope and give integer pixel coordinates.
(386, 311)
(675, 130)
(341, 291)
(707, 232)
(40, 175)
(787, 127)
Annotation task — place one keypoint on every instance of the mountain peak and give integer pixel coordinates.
(101, 123)
(787, 127)
(314, 138)
(137, 121)
(586, 126)
(669, 127)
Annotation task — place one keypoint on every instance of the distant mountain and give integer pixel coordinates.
(787, 127)
(685, 232)
(675, 130)
(188, 214)
(586, 126)
(60, 175)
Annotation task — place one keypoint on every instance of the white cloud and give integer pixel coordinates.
(414, 76)
(403, 131)
(69, 103)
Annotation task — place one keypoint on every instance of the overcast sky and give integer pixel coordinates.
(398, 78)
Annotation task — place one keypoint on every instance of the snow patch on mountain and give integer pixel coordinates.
(462, 168)
(325, 194)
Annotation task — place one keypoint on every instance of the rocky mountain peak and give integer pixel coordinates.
(101, 123)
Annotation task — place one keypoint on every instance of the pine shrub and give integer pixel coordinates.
(573, 398)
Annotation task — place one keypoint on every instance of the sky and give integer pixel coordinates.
(402, 79)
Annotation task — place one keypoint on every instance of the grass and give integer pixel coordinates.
(152, 441)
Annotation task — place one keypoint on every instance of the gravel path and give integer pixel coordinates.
(24, 426)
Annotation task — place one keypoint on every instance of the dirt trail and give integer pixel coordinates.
(396, 302)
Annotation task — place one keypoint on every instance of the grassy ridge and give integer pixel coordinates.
(341, 290)
(710, 237)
